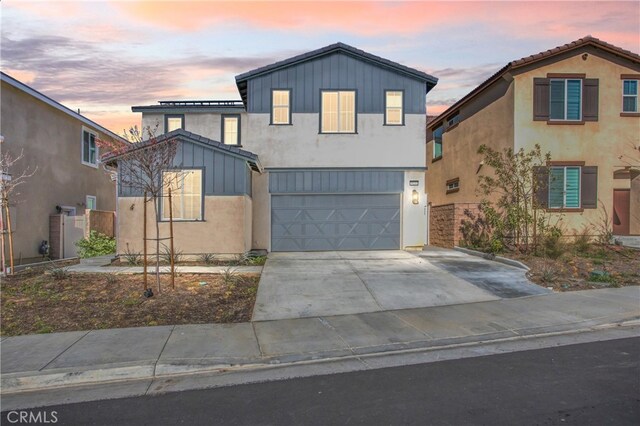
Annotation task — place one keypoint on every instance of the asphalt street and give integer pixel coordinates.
(586, 384)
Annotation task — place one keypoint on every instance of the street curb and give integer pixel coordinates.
(14, 383)
(493, 257)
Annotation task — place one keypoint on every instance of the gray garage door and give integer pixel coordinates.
(335, 222)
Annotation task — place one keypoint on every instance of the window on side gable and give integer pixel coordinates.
(394, 111)
(565, 99)
(281, 106)
(231, 129)
(629, 95)
(173, 122)
(437, 143)
(338, 112)
(89, 148)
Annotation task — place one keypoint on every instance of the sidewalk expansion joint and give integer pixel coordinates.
(66, 349)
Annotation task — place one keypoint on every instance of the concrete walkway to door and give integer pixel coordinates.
(312, 284)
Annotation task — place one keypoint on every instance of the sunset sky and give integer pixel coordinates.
(104, 57)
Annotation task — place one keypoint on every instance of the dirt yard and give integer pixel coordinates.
(596, 267)
(37, 302)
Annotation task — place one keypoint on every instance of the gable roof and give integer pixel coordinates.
(57, 105)
(532, 59)
(241, 80)
(184, 136)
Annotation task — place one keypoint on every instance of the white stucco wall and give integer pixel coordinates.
(414, 216)
(203, 124)
(300, 144)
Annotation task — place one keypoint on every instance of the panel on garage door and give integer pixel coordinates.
(335, 222)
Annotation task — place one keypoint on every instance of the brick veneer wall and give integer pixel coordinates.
(445, 221)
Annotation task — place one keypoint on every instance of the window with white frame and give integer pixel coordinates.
(91, 202)
(338, 113)
(280, 109)
(564, 187)
(393, 115)
(565, 99)
(629, 95)
(231, 129)
(89, 148)
(186, 194)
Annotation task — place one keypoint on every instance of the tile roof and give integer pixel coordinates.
(527, 60)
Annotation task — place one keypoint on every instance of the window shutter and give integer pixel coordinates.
(541, 177)
(589, 193)
(590, 100)
(540, 99)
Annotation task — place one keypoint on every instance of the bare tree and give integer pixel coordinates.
(141, 168)
(10, 181)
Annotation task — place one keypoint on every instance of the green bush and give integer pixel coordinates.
(552, 244)
(96, 245)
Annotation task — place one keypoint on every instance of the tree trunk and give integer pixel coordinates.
(155, 212)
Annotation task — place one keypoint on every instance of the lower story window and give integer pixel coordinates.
(91, 202)
(564, 187)
(453, 185)
(186, 194)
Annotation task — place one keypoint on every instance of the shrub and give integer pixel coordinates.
(132, 257)
(258, 260)
(582, 240)
(552, 244)
(111, 279)
(96, 245)
(548, 273)
(166, 255)
(59, 273)
(478, 230)
(229, 275)
(207, 258)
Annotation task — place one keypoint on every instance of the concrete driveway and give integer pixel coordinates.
(298, 285)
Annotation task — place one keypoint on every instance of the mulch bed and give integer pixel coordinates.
(613, 266)
(36, 302)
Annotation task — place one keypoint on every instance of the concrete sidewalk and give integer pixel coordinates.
(72, 358)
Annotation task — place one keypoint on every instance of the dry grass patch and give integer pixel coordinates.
(37, 302)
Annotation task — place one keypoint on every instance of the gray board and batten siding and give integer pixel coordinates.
(223, 173)
(314, 210)
(337, 71)
(335, 181)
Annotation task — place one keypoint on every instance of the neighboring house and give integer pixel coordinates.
(61, 144)
(339, 134)
(579, 102)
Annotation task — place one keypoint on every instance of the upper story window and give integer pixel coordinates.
(173, 122)
(89, 148)
(565, 99)
(338, 112)
(394, 111)
(629, 95)
(453, 120)
(281, 106)
(564, 187)
(437, 142)
(186, 194)
(231, 129)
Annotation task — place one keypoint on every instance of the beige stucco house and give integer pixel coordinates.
(324, 151)
(579, 102)
(61, 144)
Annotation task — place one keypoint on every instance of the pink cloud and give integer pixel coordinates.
(557, 20)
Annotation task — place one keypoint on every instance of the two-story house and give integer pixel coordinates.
(324, 151)
(60, 145)
(579, 102)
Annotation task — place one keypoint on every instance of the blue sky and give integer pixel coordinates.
(103, 57)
